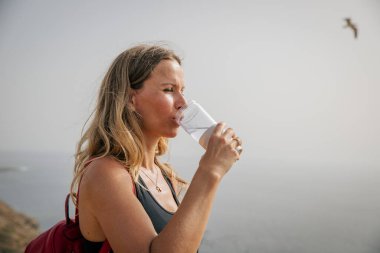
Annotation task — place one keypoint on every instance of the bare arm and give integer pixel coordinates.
(185, 230)
(124, 222)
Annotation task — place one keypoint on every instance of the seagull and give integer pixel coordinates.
(354, 28)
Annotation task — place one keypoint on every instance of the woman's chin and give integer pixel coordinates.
(172, 134)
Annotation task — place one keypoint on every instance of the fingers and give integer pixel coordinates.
(236, 144)
(239, 150)
(237, 141)
(230, 138)
(233, 140)
(228, 134)
(219, 128)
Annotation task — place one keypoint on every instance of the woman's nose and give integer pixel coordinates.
(181, 101)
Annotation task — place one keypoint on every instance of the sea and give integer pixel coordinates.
(260, 207)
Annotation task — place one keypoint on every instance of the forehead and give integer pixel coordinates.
(168, 69)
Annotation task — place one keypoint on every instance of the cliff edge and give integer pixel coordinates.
(16, 230)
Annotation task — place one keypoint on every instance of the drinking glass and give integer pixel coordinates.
(196, 122)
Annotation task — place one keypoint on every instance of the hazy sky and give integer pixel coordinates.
(300, 91)
(293, 83)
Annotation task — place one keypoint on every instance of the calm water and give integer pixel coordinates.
(259, 208)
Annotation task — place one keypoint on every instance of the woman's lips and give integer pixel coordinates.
(179, 116)
(177, 120)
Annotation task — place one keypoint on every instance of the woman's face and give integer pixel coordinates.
(159, 100)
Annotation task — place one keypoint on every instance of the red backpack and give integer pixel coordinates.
(63, 237)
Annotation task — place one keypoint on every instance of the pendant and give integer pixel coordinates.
(158, 188)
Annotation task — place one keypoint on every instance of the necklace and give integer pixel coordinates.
(155, 183)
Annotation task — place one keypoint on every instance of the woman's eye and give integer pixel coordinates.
(169, 89)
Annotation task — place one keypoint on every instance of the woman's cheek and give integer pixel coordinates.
(169, 101)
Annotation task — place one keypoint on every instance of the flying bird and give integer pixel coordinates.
(351, 25)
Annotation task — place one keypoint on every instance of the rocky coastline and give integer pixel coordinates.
(16, 229)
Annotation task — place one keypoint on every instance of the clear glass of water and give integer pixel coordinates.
(196, 122)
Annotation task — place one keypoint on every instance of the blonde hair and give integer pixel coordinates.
(115, 129)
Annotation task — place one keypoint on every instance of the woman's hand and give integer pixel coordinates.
(221, 151)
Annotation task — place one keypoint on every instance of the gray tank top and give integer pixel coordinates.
(158, 215)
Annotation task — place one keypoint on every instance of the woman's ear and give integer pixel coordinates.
(132, 102)
(131, 106)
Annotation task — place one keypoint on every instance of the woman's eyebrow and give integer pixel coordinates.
(173, 84)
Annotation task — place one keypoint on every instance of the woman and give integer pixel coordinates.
(127, 196)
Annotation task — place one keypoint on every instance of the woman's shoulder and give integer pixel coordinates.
(105, 171)
(105, 164)
(104, 190)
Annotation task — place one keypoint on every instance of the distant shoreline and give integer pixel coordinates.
(13, 168)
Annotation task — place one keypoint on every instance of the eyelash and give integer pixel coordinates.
(172, 90)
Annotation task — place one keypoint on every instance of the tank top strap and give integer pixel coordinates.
(171, 186)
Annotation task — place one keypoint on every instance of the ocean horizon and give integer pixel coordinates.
(265, 210)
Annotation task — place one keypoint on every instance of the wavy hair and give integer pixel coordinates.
(115, 130)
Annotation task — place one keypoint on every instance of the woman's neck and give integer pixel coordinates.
(149, 154)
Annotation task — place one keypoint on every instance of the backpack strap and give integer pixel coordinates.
(106, 247)
(67, 215)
